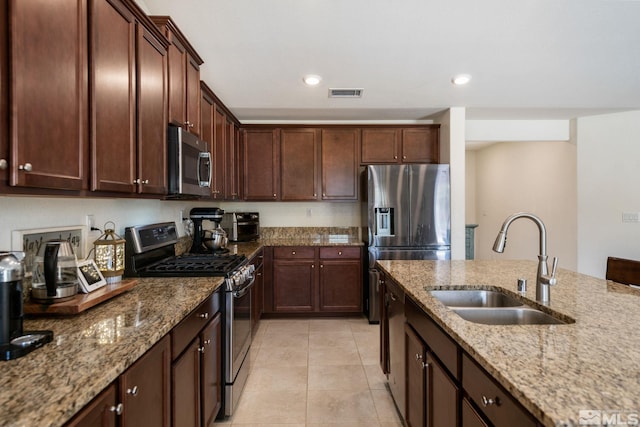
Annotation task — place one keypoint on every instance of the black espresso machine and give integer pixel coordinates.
(14, 342)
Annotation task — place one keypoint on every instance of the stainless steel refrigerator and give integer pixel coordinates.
(408, 216)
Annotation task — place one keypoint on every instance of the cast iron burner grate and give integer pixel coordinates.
(197, 265)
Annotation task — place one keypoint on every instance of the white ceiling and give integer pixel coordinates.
(530, 59)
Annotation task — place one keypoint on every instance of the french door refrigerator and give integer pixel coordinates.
(408, 216)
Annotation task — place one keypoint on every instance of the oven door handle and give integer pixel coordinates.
(242, 292)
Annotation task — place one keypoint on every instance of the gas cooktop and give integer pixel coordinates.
(194, 265)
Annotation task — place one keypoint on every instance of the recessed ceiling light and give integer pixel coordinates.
(311, 79)
(461, 79)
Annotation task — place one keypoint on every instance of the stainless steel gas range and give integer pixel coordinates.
(150, 253)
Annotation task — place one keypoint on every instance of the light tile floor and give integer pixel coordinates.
(315, 372)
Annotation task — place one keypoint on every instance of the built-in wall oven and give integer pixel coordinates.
(150, 253)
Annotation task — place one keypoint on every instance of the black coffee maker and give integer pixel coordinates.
(14, 342)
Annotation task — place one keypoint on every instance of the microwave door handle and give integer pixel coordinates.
(207, 156)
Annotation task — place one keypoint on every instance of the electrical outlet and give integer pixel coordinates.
(309, 212)
(90, 220)
(630, 217)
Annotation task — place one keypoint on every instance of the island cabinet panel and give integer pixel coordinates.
(145, 388)
(339, 163)
(49, 115)
(113, 97)
(211, 370)
(101, 412)
(416, 353)
(497, 405)
(261, 163)
(186, 391)
(299, 164)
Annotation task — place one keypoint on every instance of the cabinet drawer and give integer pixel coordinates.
(496, 404)
(339, 252)
(294, 252)
(438, 341)
(190, 326)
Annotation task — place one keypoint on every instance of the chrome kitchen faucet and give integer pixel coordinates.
(543, 279)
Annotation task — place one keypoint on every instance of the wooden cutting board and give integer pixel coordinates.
(80, 302)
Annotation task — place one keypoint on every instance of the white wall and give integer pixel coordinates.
(536, 177)
(470, 187)
(300, 214)
(608, 172)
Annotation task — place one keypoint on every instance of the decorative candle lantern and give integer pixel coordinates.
(109, 254)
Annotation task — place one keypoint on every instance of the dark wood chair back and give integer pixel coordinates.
(624, 271)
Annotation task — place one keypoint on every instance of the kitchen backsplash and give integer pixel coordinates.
(297, 232)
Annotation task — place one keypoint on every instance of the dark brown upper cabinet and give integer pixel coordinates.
(339, 163)
(261, 164)
(184, 77)
(389, 145)
(299, 164)
(48, 94)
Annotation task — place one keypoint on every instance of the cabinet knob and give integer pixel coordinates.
(203, 315)
(274, 195)
(117, 409)
(207, 342)
(3, 164)
(321, 265)
(420, 362)
(324, 194)
(133, 391)
(404, 157)
(315, 194)
(188, 124)
(293, 252)
(27, 167)
(146, 181)
(395, 157)
(313, 266)
(136, 181)
(487, 401)
(201, 350)
(339, 252)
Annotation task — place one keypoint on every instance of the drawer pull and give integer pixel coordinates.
(339, 252)
(487, 401)
(207, 342)
(201, 350)
(133, 391)
(420, 362)
(293, 252)
(117, 409)
(204, 315)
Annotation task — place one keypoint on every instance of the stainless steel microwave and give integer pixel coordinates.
(189, 164)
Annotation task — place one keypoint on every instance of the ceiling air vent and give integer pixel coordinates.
(345, 93)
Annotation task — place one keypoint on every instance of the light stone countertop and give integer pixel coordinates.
(554, 371)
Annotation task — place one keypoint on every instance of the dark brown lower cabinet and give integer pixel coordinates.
(470, 418)
(197, 378)
(416, 356)
(101, 412)
(140, 396)
(294, 288)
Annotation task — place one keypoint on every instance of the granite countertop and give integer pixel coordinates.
(314, 240)
(90, 350)
(555, 371)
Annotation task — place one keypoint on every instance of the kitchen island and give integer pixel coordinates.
(554, 371)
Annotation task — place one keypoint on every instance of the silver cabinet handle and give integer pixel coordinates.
(207, 342)
(201, 350)
(27, 167)
(117, 409)
(487, 401)
(146, 181)
(420, 362)
(293, 252)
(321, 265)
(203, 315)
(339, 252)
(136, 181)
(274, 195)
(133, 391)
(3, 164)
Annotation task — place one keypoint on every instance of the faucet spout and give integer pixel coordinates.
(543, 280)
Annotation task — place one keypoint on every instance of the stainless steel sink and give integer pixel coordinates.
(474, 298)
(508, 316)
(493, 308)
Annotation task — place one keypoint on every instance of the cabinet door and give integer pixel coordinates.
(299, 164)
(100, 412)
(261, 160)
(145, 388)
(294, 286)
(206, 128)
(339, 162)
(470, 418)
(219, 146)
(185, 379)
(177, 58)
(152, 112)
(420, 145)
(4, 98)
(193, 95)
(341, 285)
(442, 396)
(380, 145)
(49, 120)
(232, 159)
(416, 355)
(113, 97)
(211, 370)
